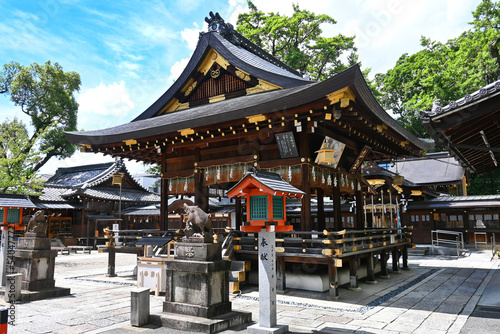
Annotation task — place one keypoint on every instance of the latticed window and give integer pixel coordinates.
(12, 216)
(258, 207)
(277, 207)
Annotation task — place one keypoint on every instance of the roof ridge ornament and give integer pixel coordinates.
(217, 23)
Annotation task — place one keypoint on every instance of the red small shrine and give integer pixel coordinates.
(265, 195)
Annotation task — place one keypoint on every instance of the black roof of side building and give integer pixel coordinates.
(89, 180)
(468, 128)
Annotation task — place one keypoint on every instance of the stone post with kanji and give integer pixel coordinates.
(267, 285)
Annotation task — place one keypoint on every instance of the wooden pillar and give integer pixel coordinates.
(353, 272)
(321, 209)
(395, 260)
(164, 193)
(360, 216)
(405, 258)
(305, 218)
(466, 226)
(84, 222)
(238, 213)
(280, 273)
(337, 208)
(370, 269)
(200, 190)
(384, 273)
(334, 280)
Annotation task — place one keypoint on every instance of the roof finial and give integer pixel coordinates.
(217, 23)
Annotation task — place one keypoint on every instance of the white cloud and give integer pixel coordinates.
(112, 99)
(191, 36)
(176, 69)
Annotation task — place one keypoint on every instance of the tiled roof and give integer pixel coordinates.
(127, 195)
(88, 175)
(485, 92)
(434, 169)
(15, 201)
(458, 202)
(271, 180)
(58, 206)
(53, 194)
(88, 181)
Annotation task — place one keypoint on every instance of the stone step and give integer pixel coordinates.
(418, 251)
(240, 265)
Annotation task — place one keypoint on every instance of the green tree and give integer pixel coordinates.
(16, 166)
(46, 94)
(443, 71)
(296, 40)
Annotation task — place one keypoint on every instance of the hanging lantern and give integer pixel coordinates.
(117, 179)
(326, 156)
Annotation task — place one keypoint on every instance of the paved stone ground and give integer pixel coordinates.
(440, 294)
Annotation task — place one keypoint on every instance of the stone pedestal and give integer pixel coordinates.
(197, 290)
(34, 259)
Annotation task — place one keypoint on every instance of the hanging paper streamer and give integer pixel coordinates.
(314, 174)
(329, 180)
(186, 185)
(289, 174)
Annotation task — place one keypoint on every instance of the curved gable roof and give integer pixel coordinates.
(237, 56)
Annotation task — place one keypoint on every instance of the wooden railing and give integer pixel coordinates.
(319, 244)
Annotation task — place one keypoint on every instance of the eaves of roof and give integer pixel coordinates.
(15, 201)
(244, 106)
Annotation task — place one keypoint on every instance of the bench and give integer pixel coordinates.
(63, 250)
(85, 249)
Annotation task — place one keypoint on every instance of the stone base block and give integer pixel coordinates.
(45, 284)
(33, 242)
(30, 296)
(257, 329)
(198, 251)
(200, 325)
(197, 310)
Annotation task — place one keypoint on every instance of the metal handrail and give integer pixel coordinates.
(458, 242)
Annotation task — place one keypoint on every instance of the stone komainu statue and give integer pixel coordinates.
(199, 222)
(37, 223)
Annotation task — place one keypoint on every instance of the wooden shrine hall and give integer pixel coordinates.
(235, 107)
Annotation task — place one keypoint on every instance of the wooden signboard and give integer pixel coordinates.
(359, 160)
(286, 145)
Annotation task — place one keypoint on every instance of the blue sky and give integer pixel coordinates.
(129, 52)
